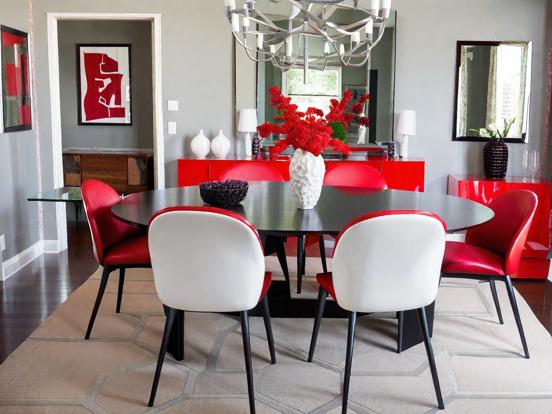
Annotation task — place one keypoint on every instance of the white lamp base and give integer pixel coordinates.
(248, 144)
(404, 147)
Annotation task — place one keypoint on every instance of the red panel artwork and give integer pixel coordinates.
(104, 84)
(103, 96)
(16, 91)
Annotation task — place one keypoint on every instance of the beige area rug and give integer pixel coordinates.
(479, 363)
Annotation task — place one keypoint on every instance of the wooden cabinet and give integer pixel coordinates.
(399, 174)
(126, 171)
(534, 263)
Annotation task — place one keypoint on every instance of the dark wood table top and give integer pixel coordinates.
(270, 207)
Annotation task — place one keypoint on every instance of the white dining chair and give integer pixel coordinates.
(206, 259)
(384, 262)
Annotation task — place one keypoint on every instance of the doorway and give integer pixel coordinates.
(153, 22)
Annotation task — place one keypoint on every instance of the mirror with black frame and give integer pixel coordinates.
(377, 78)
(493, 86)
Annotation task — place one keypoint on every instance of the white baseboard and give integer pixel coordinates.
(17, 262)
(51, 246)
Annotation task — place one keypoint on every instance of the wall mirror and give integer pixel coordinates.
(377, 77)
(493, 85)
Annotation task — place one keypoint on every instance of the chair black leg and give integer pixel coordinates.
(103, 284)
(400, 333)
(120, 290)
(431, 358)
(268, 327)
(496, 302)
(323, 254)
(322, 296)
(300, 261)
(171, 314)
(247, 355)
(281, 253)
(348, 361)
(513, 302)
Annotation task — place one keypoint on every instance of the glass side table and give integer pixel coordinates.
(62, 195)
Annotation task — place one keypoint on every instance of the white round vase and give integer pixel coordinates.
(306, 177)
(200, 145)
(220, 145)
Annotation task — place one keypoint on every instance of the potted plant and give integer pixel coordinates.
(495, 152)
(310, 133)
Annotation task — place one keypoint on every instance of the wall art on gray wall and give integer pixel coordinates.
(15, 83)
(104, 84)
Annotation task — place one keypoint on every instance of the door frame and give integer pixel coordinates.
(53, 19)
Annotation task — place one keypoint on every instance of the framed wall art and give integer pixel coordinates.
(104, 84)
(16, 107)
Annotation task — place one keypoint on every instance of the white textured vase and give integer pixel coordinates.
(306, 176)
(201, 145)
(220, 145)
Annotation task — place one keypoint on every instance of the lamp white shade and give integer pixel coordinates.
(248, 120)
(407, 123)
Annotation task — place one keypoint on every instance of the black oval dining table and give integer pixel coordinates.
(270, 207)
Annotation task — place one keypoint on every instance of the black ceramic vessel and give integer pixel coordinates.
(223, 193)
(495, 159)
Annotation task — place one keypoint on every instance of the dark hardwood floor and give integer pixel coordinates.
(32, 294)
(37, 290)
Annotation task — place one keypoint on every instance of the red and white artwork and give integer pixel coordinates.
(104, 75)
(15, 87)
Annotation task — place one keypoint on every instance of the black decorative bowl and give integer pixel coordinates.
(223, 193)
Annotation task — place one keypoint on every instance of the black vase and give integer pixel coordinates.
(495, 159)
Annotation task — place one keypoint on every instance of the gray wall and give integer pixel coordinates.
(18, 164)
(426, 48)
(138, 35)
(199, 73)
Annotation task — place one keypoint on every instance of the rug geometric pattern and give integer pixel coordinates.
(478, 360)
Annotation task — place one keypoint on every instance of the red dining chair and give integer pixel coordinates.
(365, 280)
(260, 171)
(116, 244)
(252, 171)
(492, 251)
(350, 174)
(357, 175)
(220, 268)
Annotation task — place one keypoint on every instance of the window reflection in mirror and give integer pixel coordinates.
(376, 78)
(493, 89)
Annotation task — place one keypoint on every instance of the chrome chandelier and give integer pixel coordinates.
(311, 25)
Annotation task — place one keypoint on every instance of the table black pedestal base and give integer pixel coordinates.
(282, 305)
(176, 340)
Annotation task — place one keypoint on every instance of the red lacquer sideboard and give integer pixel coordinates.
(535, 263)
(399, 174)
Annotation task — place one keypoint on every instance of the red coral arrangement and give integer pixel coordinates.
(311, 130)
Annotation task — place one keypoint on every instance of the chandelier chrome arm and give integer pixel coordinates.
(347, 44)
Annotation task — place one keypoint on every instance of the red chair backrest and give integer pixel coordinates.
(252, 171)
(506, 233)
(355, 175)
(106, 229)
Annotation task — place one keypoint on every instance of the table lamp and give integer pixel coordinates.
(248, 124)
(406, 128)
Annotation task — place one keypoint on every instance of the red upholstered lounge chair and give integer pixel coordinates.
(117, 244)
(492, 251)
